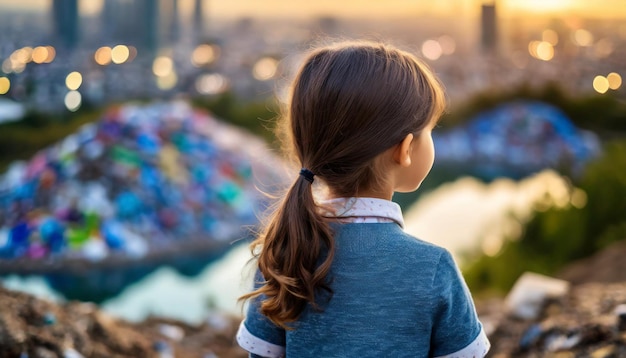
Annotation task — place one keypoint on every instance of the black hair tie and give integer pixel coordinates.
(307, 174)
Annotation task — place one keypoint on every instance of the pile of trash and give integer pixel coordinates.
(35, 328)
(144, 179)
(520, 136)
(547, 317)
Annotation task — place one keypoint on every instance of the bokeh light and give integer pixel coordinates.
(265, 68)
(52, 53)
(550, 36)
(203, 55)
(73, 100)
(103, 56)
(545, 51)
(132, 53)
(583, 37)
(120, 54)
(162, 66)
(600, 84)
(431, 49)
(22, 56)
(18, 67)
(7, 66)
(73, 81)
(167, 81)
(579, 198)
(40, 54)
(5, 85)
(615, 80)
(491, 245)
(448, 45)
(541, 50)
(211, 83)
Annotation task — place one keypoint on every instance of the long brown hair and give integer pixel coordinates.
(350, 102)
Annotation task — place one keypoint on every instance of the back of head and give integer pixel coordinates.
(350, 102)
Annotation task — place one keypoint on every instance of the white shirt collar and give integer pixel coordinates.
(362, 210)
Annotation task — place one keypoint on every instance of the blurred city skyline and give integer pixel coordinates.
(613, 9)
(66, 56)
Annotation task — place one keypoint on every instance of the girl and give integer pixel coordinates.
(339, 277)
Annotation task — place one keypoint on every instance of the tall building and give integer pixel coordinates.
(132, 22)
(169, 22)
(489, 30)
(149, 28)
(65, 20)
(198, 19)
(175, 22)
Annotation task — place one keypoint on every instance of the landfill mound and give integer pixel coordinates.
(515, 139)
(30, 327)
(146, 185)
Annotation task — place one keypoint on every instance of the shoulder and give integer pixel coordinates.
(389, 240)
(404, 241)
(414, 249)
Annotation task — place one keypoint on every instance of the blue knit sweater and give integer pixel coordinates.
(394, 296)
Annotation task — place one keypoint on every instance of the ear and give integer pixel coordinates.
(402, 152)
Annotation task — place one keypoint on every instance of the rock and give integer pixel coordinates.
(41, 352)
(604, 352)
(531, 336)
(530, 293)
(172, 332)
(72, 353)
(620, 312)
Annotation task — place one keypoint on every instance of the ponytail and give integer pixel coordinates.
(295, 257)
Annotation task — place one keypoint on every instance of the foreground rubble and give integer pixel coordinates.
(587, 321)
(34, 328)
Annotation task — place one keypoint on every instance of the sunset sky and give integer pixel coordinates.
(372, 8)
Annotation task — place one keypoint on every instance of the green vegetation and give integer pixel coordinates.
(556, 237)
(256, 117)
(21, 140)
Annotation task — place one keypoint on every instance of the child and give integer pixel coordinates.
(339, 277)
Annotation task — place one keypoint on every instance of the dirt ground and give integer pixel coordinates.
(34, 328)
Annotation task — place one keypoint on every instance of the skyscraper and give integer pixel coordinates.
(198, 20)
(65, 20)
(489, 35)
(175, 22)
(132, 22)
(169, 22)
(149, 29)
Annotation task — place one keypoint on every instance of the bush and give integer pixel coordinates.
(22, 139)
(257, 117)
(556, 237)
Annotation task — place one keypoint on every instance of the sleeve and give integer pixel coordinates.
(457, 332)
(257, 334)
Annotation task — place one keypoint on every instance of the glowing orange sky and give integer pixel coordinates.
(374, 8)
